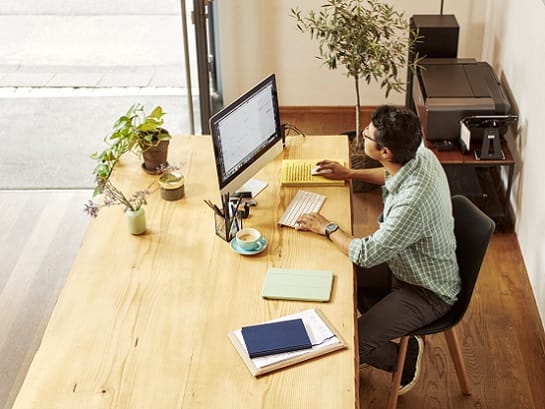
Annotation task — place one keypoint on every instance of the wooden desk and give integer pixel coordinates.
(142, 321)
(455, 160)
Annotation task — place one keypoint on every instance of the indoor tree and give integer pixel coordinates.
(368, 37)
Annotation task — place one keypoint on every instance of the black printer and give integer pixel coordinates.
(447, 90)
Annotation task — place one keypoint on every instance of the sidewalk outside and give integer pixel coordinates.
(64, 80)
(92, 51)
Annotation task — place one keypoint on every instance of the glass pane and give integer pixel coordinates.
(68, 70)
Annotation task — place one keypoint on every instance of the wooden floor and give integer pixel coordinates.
(501, 335)
(40, 234)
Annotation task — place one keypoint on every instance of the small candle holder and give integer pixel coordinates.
(172, 186)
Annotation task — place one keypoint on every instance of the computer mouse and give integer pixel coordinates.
(316, 170)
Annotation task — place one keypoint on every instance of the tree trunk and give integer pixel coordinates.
(358, 141)
(358, 158)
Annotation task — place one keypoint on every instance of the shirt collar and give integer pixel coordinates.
(393, 182)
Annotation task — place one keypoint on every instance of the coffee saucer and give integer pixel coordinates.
(262, 245)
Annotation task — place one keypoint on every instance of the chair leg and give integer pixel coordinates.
(457, 359)
(396, 381)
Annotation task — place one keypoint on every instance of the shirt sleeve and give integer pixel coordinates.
(400, 228)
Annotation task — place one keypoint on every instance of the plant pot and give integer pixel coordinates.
(136, 221)
(155, 158)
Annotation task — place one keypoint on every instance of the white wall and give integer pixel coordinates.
(513, 44)
(259, 37)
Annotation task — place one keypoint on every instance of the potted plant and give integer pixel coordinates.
(371, 40)
(142, 135)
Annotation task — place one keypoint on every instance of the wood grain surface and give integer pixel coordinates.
(143, 320)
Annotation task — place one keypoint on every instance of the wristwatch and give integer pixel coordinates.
(331, 228)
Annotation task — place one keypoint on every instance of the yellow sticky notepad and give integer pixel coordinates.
(296, 172)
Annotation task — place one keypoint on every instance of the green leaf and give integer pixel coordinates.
(157, 112)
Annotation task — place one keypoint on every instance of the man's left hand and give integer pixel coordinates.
(313, 222)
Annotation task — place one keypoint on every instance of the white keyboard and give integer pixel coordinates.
(303, 202)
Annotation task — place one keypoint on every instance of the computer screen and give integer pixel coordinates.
(246, 135)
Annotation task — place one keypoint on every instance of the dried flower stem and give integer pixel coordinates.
(113, 196)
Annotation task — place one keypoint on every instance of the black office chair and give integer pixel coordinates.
(473, 230)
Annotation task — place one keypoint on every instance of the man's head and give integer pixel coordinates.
(397, 129)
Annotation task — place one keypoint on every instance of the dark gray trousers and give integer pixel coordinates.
(390, 309)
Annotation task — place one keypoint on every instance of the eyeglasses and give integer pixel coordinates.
(367, 136)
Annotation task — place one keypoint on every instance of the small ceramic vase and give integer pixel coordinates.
(136, 221)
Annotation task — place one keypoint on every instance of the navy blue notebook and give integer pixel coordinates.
(275, 337)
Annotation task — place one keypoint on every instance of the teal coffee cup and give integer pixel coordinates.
(248, 238)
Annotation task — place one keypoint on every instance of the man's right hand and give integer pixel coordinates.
(336, 170)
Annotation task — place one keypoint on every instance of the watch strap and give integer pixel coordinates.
(331, 228)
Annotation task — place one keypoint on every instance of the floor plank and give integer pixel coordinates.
(41, 232)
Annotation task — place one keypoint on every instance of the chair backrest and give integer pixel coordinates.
(473, 230)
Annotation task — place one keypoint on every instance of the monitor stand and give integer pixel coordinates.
(253, 185)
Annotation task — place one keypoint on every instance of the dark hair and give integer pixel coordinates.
(399, 130)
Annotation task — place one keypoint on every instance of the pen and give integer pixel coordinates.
(237, 205)
(234, 216)
(214, 208)
(225, 203)
(224, 206)
(217, 209)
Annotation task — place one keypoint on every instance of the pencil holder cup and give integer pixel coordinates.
(227, 227)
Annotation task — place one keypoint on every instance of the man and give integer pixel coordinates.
(407, 271)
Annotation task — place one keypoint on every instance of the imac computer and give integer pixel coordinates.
(246, 135)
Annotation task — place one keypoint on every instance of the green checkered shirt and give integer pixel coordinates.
(416, 229)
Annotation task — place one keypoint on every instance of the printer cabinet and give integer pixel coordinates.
(479, 180)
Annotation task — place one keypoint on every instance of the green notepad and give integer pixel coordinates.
(296, 284)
